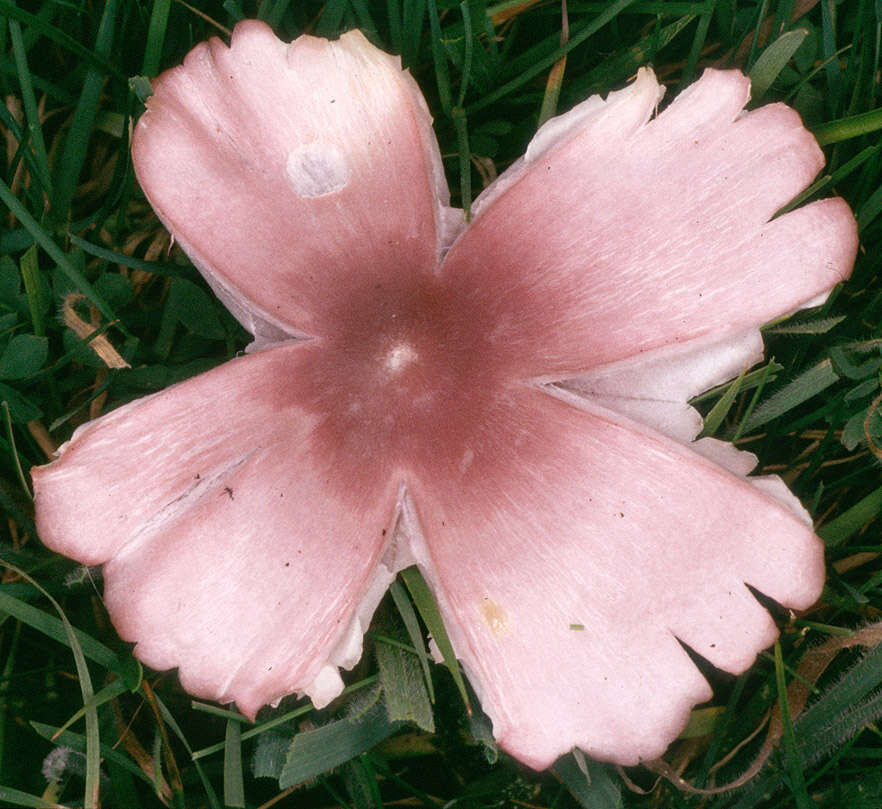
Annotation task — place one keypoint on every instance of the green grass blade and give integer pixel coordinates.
(10, 434)
(428, 610)
(465, 164)
(704, 21)
(314, 752)
(55, 252)
(854, 126)
(76, 143)
(132, 262)
(852, 520)
(808, 384)
(393, 16)
(54, 628)
(32, 116)
(772, 61)
(468, 51)
(10, 10)
(854, 686)
(109, 692)
(35, 288)
(412, 625)
(439, 58)
(272, 12)
(718, 413)
(365, 20)
(234, 784)
(284, 719)
(5, 678)
(210, 794)
(93, 741)
(411, 30)
(15, 797)
(589, 782)
(155, 37)
(793, 760)
(602, 19)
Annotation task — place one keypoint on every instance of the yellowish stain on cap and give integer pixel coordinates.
(494, 616)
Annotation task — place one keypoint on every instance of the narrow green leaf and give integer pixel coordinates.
(411, 29)
(272, 12)
(468, 54)
(36, 289)
(792, 759)
(10, 435)
(76, 142)
(8, 8)
(234, 785)
(821, 326)
(133, 262)
(851, 521)
(15, 797)
(412, 625)
(753, 379)
(210, 795)
(846, 128)
(365, 20)
(808, 384)
(314, 752)
(840, 728)
(109, 692)
(32, 115)
(721, 409)
(281, 721)
(465, 164)
(55, 252)
(589, 782)
(393, 16)
(442, 75)
(52, 627)
(93, 740)
(766, 374)
(852, 687)
(831, 179)
(870, 210)
(772, 61)
(698, 40)
(155, 37)
(604, 18)
(428, 609)
(332, 17)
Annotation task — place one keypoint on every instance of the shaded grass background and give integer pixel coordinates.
(85, 268)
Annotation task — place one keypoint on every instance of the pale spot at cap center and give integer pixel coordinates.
(400, 357)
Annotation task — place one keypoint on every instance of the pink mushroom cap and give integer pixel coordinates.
(504, 404)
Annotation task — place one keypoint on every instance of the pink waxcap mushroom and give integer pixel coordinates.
(505, 405)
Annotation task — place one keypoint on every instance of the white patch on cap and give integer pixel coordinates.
(317, 169)
(399, 357)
